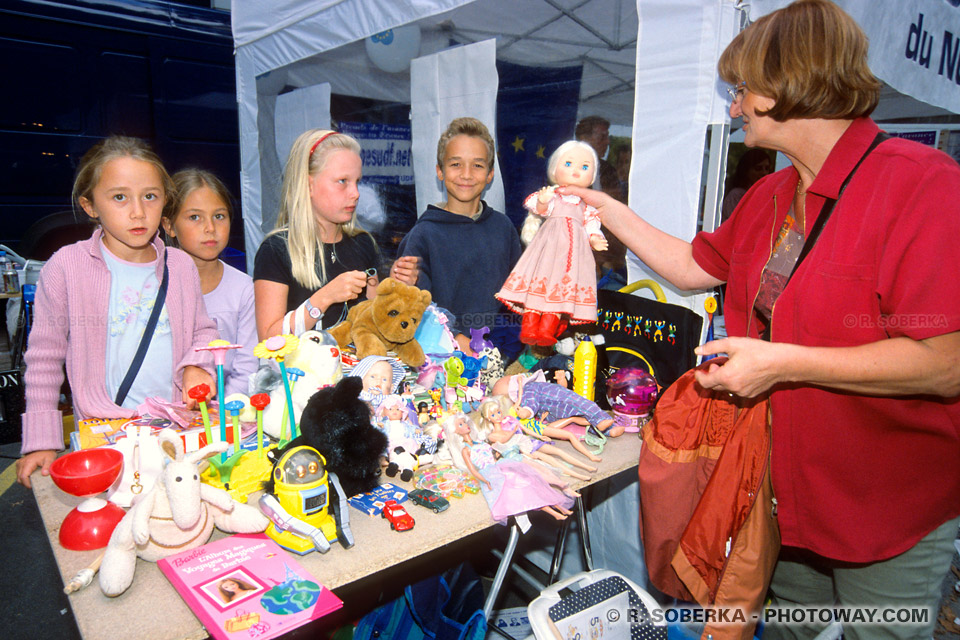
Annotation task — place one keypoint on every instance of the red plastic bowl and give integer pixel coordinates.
(85, 530)
(87, 472)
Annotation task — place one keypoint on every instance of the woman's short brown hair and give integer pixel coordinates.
(810, 57)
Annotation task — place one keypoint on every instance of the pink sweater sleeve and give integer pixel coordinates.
(42, 420)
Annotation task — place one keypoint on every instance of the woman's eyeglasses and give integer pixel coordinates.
(736, 91)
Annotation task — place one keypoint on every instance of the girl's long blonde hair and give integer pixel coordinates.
(296, 212)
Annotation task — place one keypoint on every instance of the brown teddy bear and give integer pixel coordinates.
(388, 322)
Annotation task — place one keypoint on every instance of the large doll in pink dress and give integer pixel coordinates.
(555, 281)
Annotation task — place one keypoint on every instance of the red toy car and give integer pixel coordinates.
(399, 519)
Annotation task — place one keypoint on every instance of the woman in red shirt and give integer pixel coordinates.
(861, 356)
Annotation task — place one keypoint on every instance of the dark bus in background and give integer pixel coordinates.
(76, 71)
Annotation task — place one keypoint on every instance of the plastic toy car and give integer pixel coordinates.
(429, 499)
(399, 519)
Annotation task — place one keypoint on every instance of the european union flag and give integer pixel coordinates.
(536, 113)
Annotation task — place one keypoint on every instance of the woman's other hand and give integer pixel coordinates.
(752, 366)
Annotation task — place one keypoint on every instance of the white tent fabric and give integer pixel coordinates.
(450, 84)
(914, 44)
(678, 95)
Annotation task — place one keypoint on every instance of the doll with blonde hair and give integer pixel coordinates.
(555, 281)
(508, 486)
(503, 431)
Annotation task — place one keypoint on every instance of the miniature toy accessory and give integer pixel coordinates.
(85, 474)
(398, 517)
(179, 513)
(710, 306)
(260, 401)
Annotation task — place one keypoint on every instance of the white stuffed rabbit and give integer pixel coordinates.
(179, 513)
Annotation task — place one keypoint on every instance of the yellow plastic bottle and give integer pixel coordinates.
(585, 369)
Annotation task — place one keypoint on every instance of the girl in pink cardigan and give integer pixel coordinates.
(94, 299)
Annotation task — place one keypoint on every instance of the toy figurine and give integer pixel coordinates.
(555, 281)
(540, 397)
(503, 431)
(509, 487)
(177, 514)
(409, 446)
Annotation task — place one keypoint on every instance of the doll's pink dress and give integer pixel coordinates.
(514, 486)
(557, 272)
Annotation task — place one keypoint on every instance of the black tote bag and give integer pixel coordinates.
(653, 335)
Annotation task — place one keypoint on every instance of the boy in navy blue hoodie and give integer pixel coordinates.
(467, 249)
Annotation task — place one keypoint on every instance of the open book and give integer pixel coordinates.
(249, 584)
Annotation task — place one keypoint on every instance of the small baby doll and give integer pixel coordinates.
(555, 281)
(394, 418)
(535, 398)
(381, 376)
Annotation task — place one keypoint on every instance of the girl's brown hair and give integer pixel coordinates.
(810, 57)
(186, 182)
(92, 162)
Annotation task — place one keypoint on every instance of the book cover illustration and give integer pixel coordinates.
(372, 502)
(246, 586)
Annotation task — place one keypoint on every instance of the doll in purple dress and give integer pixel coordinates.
(555, 281)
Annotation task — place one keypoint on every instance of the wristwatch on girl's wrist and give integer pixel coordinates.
(312, 311)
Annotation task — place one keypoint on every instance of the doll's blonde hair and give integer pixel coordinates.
(486, 426)
(533, 221)
(454, 443)
(308, 157)
(562, 149)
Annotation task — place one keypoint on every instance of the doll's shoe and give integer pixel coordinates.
(529, 327)
(548, 329)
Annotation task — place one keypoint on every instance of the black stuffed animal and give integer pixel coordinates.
(337, 423)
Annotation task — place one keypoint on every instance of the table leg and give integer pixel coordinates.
(502, 569)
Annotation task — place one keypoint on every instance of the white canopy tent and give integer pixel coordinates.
(283, 45)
